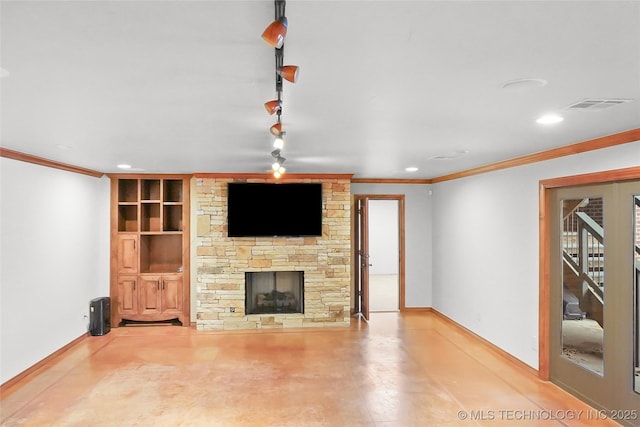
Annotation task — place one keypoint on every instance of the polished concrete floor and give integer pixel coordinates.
(398, 370)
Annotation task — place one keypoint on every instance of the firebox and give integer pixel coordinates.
(272, 292)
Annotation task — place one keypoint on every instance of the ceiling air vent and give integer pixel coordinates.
(597, 104)
(450, 156)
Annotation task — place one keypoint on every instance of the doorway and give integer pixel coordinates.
(379, 253)
(591, 303)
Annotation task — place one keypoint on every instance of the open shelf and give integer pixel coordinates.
(128, 190)
(172, 190)
(150, 220)
(150, 189)
(172, 218)
(161, 253)
(128, 218)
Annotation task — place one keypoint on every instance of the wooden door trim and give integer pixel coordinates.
(401, 237)
(544, 309)
(186, 251)
(355, 259)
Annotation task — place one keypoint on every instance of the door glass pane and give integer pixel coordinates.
(583, 282)
(636, 278)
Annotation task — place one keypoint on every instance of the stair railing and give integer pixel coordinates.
(583, 251)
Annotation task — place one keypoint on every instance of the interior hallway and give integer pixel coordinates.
(384, 293)
(412, 369)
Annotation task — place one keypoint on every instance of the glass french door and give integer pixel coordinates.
(594, 323)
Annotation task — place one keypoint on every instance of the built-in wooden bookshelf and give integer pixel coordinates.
(149, 248)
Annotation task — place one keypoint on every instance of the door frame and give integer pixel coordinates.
(544, 308)
(400, 198)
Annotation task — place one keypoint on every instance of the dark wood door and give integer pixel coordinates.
(363, 256)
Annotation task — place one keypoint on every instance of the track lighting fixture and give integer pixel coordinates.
(274, 36)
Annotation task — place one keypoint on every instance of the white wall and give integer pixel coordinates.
(417, 237)
(54, 228)
(485, 246)
(383, 236)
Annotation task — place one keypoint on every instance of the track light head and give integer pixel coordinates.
(275, 33)
(278, 143)
(290, 73)
(276, 129)
(277, 165)
(273, 106)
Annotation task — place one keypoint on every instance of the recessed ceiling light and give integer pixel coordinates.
(549, 119)
(124, 166)
(411, 169)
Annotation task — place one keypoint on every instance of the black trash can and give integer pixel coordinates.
(100, 316)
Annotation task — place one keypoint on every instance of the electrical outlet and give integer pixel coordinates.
(232, 309)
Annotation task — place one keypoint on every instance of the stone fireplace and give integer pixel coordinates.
(274, 292)
(223, 263)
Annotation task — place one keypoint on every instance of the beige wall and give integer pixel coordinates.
(221, 261)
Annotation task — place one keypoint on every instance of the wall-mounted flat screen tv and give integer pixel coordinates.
(274, 210)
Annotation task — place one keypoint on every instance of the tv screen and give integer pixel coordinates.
(270, 210)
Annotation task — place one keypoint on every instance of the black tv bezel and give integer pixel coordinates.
(317, 232)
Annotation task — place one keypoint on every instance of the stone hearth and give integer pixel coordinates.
(221, 261)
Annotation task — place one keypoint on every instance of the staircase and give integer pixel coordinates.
(583, 262)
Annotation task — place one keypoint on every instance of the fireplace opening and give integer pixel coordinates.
(272, 292)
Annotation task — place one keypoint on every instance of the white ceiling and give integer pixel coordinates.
(179, 86)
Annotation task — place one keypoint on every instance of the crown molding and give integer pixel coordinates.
(28, 158)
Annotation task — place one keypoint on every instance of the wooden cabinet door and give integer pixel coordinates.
(172, 294)
(127, 295)
(127, 253)
(150, 294)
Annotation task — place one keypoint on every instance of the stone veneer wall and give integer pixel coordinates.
(221, 262)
